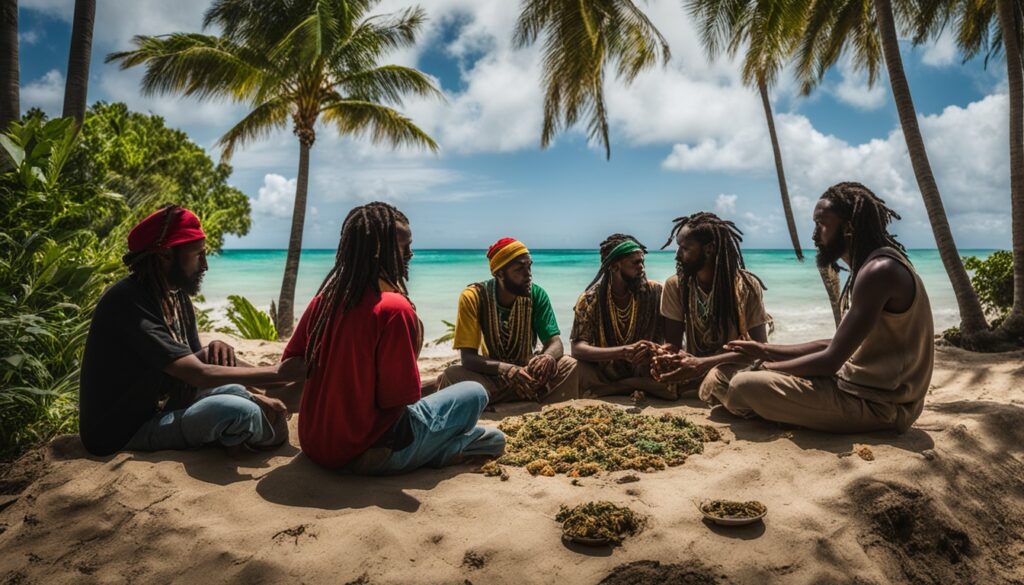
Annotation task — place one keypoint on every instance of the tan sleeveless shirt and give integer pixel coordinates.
(894, 362)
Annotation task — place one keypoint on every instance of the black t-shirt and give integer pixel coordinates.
(123, 384)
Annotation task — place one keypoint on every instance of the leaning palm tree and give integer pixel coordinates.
(768, 31)
(867, 29)
(581, 38)
(10, 88)
(308, 61)
(76, 88)
(992, 27)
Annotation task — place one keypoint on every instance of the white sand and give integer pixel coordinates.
(943, 503)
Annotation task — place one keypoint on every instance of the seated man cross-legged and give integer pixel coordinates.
(874, 373)
(360, 337)
(617, 328)
(499, 323)
(146, 382)
(711, 300)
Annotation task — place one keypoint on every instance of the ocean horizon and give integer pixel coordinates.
(795, 296)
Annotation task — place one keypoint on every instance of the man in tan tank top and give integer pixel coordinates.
(874, 373)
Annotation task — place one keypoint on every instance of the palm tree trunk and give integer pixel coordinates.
(1014, 323)
(972, 317)
(783, 190)
(828, 276)
(284, 318)
(10, 86)
(77, 85)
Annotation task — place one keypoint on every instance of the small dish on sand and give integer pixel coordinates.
(730, 513)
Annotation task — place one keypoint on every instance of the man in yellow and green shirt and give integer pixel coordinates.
(499, 324)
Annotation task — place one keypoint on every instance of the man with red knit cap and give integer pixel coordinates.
(499, 324)
(147, 384)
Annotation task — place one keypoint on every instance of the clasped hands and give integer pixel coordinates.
(527, 380)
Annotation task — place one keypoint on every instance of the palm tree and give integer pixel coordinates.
(992, 27)
(10, 86)
(76, 88)
(581, 37)
(769, 31)
(311, 61)
(867, 29)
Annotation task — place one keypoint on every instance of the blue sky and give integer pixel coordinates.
(685, 137)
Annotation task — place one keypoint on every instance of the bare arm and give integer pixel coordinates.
(583, 351)
(673, 334)
(474, 362)
(872, 291)
(194, 372)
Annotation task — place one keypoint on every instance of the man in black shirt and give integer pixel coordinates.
(147, 383)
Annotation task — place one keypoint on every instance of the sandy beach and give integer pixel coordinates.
(943, 503)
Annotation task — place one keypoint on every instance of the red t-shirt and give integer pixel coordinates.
(366, 373)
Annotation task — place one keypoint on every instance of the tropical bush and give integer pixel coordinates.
(55, 261)
(993, 280)
(249, 322)
(449, 333)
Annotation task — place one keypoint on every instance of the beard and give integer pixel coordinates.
(183, 282)
(635, 283)
(520, 290)
(691, 268)
(829, 252)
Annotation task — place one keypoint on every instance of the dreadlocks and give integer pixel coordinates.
(368, 253)
(708, 228)
(610, 243)
(146, 267)
(869, 218)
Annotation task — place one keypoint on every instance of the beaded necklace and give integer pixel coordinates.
(623, 319)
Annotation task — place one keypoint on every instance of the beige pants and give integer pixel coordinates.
(594, 383)
(564, 386)
(816, 403)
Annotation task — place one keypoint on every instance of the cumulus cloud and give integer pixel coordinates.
(853, 89)
(30, 37)
(941, 51)
(45, 93)
(725, 205)
(276, 197)
(966, 146)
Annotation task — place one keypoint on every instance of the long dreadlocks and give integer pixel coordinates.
(147, 268)
(869, 218)
(368, 253)
(708, 228)
(614, 327)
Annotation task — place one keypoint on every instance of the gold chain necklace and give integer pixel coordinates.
(623, 319)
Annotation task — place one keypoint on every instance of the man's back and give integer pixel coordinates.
(366, 374)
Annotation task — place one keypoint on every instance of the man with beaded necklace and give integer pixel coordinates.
(617, 328)
(499, 324)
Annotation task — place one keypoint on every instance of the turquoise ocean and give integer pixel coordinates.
(794, 296)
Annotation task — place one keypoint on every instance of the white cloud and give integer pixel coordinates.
(941, 51)
(28, 37)
(853, 89)
(966, 147)
(276, 197)
(725, 205)
(45, 93)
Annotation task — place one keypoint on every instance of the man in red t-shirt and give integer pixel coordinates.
(360, 337)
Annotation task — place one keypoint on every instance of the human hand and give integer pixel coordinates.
(219, 353)
(750, 348)
(541, 368)
(641, 352)
(521, 382)
(679, 368)
(272, 407)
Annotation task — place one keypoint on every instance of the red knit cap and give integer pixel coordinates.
(183, 228)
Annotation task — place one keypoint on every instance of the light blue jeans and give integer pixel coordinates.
(226, 415)
(444, 431)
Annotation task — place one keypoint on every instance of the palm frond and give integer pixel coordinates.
(263, 119)
(383, 125)
(388, 83)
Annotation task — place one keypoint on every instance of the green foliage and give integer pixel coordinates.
(150, 164)
(250, 322)
(449, 333)
(55, 261)
(993, 280)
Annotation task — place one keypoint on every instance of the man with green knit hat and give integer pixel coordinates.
(499, 324)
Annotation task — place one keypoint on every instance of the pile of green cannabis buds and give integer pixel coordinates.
(600, 521)
(581, 442)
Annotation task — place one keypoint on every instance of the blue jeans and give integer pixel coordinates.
(444, 431)
(226, 415)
